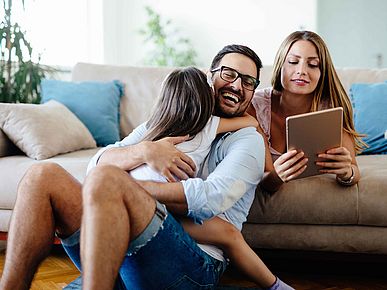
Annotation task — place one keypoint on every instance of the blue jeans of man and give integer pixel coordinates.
(164, 256)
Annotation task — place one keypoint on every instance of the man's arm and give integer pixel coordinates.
(161, 155)
(239, 164)
(171, 194)
(127, 157)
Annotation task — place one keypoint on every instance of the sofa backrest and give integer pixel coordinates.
(349, 76)
(142, 85)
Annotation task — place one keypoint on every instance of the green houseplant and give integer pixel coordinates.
(167, 47)
(20, 77)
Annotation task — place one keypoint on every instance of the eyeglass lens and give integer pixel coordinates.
(230, 75)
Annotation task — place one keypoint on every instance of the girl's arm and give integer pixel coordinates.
(236, 123)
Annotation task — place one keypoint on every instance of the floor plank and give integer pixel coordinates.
(54, 273)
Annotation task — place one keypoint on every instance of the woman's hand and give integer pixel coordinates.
(290, 165)
(162, 156)
(338, 161)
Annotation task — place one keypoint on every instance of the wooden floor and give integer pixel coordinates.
(54, 273)
(302, 271)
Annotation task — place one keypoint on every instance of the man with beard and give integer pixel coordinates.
(129, 234)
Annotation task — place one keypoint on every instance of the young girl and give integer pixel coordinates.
(185, 107)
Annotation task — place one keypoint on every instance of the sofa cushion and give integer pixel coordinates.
(314, 200)
(319, 200)
(42, 131)
(96, 104)
(370, 103)
(74, 162)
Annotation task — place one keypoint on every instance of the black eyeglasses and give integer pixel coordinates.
(230, 75)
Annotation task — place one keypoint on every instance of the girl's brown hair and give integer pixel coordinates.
(329, 89)
(184, 106)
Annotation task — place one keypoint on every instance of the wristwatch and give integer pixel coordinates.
(347, 181)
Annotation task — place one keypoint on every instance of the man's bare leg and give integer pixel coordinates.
(48, 198)
(116, 210)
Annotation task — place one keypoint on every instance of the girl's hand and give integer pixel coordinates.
(290, 165)
(338, 161)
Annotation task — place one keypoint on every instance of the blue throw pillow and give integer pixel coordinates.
(370, 103)
(96, 104)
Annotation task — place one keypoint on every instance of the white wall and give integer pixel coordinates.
(62, 31)
(107, 31)
(355, 31)
(210, 25)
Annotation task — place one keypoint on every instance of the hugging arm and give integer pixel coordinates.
(236, 123)
(160, 155)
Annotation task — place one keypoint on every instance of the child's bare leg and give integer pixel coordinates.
(224, 235)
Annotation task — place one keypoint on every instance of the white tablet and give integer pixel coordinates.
(314, 133)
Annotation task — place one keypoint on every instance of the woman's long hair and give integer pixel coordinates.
(184, 106)
(329, 89)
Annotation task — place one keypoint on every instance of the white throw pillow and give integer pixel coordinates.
(43, 131)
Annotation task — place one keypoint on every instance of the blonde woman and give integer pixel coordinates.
(304, 80)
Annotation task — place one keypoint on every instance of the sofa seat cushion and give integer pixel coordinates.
(5, 217)
(75, 162)
(320, 200)
(312, 200)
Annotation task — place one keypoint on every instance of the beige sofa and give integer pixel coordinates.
(307, 214)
